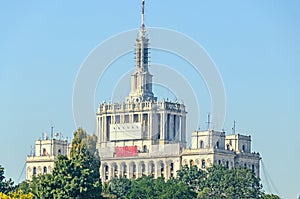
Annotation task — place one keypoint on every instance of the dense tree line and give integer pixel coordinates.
(78, 177)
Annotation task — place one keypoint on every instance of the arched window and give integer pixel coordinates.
(145, 148)
(219, 161)
(152, 169)
(133, 170)
(45, 169)
(162, 169)
(59, 151)
(125, 171)
(203, 164)
(253, 168)
(201, 144)
(228, 147)
(243, 148)
(44, 152)
(171, 169)
(192, 162)
(106, 168)
(217, 145)
(227, 164)
(115, 171)
(34, 171)
(143, 169)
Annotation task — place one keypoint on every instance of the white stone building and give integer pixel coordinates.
(143, 136)
(46, 150)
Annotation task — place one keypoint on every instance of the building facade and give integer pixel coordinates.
(144, 136)
(46, 150)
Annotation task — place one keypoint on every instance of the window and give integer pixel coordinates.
(145, 148)
(217, 145)
(162, 170)
(45, 169)
(34, 171)
(201, 144)
(59, 151)
(106, 169)
(219, 161)
(243, 148)
(135, 118)
(116, 171)
(228, 147)
(227, 164)
(117, 119)
(133, 170)
(44, 152)
(126, 119)
(152, 169)
(192, 162)
(143, 169)
(125, 171)
(203, 164)
(171, 169)
(253, 168)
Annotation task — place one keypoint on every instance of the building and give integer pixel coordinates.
(144, 136)
(46, 150)
(214, 147)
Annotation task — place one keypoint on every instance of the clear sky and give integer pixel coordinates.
(255, 45)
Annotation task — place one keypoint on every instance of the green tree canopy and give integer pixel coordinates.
(74, 177)
(5, 185)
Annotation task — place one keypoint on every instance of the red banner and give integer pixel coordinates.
(126, 151)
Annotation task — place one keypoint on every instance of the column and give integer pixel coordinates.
(183, 127)
(163, 128)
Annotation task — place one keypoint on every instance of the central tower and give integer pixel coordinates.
(141, 136)
(141, 79)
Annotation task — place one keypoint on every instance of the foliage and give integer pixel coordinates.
(16, 195)
(192, 176)
(177, 190)
(230, 183)
(77, 177)
(120, 187)
(147, 187)
(5, 185)
(270, 196)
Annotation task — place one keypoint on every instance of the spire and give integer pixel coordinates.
(143, 13)
(141, 79)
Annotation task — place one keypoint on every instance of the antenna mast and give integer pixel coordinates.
(143, 13)
(208, 121)
(52, 131)
(233, 128)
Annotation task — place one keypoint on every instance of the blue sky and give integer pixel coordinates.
(255, 45)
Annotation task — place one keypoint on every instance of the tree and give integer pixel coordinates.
(192, 176)
(177, 190)
(144, 187)
(5, 185)
(74, 177)
(270, 196)
(16, 195)
(120, 187)
(230, 183)
(147, 187)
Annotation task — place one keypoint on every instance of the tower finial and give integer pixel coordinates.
(143, 13)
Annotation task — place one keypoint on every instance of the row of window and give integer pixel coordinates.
(34, 172)
(218, 146)
(124, 170)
